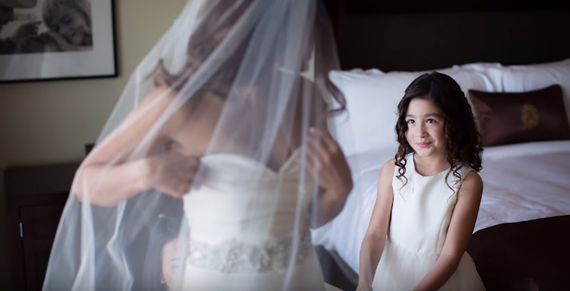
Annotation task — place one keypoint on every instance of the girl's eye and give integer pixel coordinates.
(410, 121)
(430, 120)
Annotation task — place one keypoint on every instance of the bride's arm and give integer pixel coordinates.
(326, 162)
(108, 176)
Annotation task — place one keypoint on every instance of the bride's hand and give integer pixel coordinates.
(172, 173)
(326, 162)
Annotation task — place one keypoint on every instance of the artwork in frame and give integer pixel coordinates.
(56, 39)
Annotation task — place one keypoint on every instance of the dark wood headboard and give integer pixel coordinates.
(422, 35)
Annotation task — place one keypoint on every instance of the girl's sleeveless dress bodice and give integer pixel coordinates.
(246, 230)
(421, 213)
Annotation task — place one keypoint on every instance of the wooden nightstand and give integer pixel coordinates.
(35, 197)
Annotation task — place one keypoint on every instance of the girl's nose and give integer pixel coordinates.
(421, 130)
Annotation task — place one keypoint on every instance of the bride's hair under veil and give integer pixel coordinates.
(205, 38)
(215, 141)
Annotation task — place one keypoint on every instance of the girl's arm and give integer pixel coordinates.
(458, 234)
(375, 237)
(107, 176)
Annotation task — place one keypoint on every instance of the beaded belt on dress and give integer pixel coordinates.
(234, 256)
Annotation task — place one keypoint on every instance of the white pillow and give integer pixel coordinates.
(372, 98)
(493, 71)
(531, 77)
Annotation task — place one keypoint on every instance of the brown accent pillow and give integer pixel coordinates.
(507, 118)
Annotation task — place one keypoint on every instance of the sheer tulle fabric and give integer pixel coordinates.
(244, 222)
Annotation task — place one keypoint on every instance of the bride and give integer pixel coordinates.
(226, 117)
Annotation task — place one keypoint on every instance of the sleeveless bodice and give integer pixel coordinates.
(422, 209)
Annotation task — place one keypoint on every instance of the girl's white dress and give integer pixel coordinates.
(421, 213)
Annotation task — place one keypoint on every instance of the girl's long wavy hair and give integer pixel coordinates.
(463, 142)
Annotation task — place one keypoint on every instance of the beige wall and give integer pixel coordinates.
(50, 122)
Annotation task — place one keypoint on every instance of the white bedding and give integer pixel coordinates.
(525, 181)
(521, 182)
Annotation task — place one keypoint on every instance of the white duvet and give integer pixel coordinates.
(521, 182)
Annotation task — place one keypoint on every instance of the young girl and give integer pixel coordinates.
(428, 195)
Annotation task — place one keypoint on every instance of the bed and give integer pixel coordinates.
(521, 239)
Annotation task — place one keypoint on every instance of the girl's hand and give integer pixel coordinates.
(327, 164)
(364, 287)
(172, 173)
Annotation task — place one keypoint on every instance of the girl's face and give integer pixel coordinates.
(425, 132)
(72, 25)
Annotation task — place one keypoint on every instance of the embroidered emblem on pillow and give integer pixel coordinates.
(530, 116)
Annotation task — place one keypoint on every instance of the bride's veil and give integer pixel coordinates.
(266, 62)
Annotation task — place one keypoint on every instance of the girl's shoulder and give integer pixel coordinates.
(468, 179)
(472, 176)
(465, 171)
(472, 184)
(385, 178)
(389, 165)
(387, 171)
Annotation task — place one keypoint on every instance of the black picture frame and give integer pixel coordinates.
(59, 52)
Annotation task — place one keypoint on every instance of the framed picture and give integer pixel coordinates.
(56, 39)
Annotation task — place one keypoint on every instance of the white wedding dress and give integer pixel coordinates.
(244, 232)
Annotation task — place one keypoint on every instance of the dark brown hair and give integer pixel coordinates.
(463, 141)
